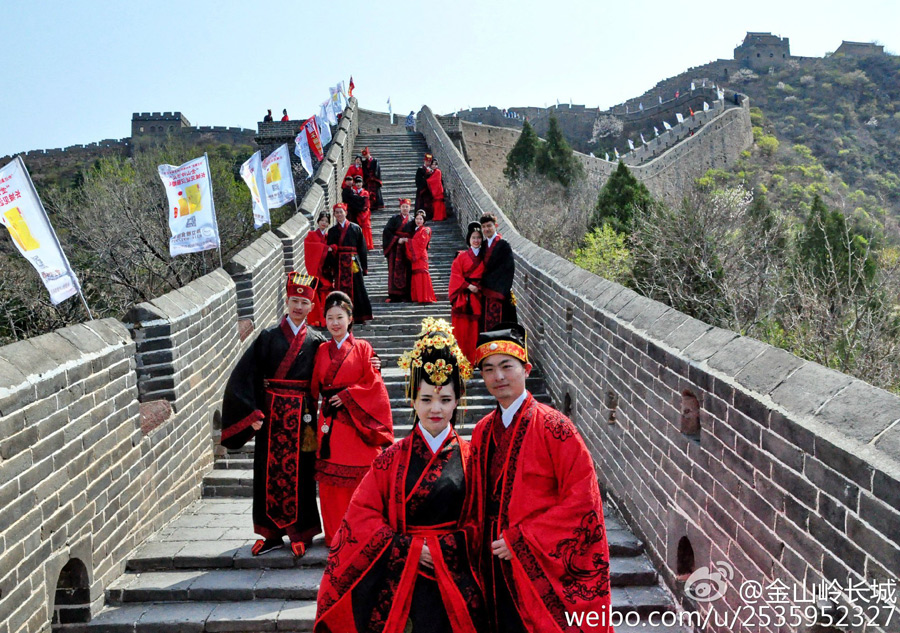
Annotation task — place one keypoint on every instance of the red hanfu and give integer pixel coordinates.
(315, 247)
(421, 289)
(352, 435)
(436, 186)
(534, 484)
(465, 305)
(354, 170)
(410, 497)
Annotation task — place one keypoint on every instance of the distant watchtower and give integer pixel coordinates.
(763, 50)
(154, 127)
(859, 49)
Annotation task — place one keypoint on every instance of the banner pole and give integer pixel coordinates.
(55, 236)
(215, 215)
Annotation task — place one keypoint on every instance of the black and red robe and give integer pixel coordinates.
(424, 198)
(399, 270)
(345, 265)
(411, 497)
(534, 484)
(497, 283)
(372, 180)
(314, 249)
(271, 383)
(359, 211)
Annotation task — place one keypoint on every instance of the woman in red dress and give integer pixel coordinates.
(354, 417)
(436, 186)
(465, 291)
(314, 249)
(417, 251)
(355, 169)
(400, 562)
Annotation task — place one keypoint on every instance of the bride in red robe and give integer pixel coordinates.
(465, 292)
(315, 246)
(355, 416)
(400, 560)
(436, 186)
(421, 289)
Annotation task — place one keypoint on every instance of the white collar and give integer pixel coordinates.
(323, 232)
(491, 239)
(295, 328)
(475, 250)
(343, 223)
(434, 442)
(507, 415)
(341, 342)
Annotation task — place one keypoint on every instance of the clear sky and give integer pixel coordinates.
(76, 71)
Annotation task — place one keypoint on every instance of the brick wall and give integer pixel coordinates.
(796, 473)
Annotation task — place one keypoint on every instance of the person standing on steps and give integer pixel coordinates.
(372, 179)
(315, 246)
(355, 169)
(400, 561)
(346, 262)
(499, 302)
(421, 288)
(359, 210)
(355, 417)
(268, 397)
(411, 121)
(397, 232)
(423, 193)
(534, 516)
(465, 291)
(436, 187)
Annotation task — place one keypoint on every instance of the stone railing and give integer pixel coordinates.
(794, 470)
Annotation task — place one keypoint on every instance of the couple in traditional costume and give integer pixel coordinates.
(430, 190)
(405, 241)
(273, 396)
(505, 534)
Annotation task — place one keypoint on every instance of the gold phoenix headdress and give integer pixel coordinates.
(436, 354)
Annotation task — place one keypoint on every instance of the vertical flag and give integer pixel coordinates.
(308, 144)
(630, 144)
(679, 117)
(23, 215)
(606, 157)
(720, 94)
(655, 130)
(192, 213)
(642, 139)
(660, 98)
(390, 111)
(279, 177)
(692, 86)
(327, 112)
(705, 107)
(343, 90)
(252, 173)
(616, 150)
(351, 86)
(666, 125)
(641, 106)
(324, 130)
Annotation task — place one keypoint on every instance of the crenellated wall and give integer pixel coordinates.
(795, 472)
(107, 428)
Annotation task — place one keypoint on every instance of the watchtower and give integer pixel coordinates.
(760, 51)
(149, 127)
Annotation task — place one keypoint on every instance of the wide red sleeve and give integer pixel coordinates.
(367, 400)
(314, 248)
(458, 283)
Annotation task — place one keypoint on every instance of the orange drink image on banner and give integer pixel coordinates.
(273, 173)
(194, 196)
(18, 229)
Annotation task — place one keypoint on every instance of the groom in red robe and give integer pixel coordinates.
(534, 512)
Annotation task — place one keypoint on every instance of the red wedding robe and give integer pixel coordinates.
(550, 515)
(314, 249)
(436, 186)
(411, 497)
(353, 171)
(357, 430)
(421, 288)
(465, 306)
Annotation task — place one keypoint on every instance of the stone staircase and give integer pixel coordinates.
(197, 573)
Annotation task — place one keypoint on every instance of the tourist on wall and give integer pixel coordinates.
(372, 179)
(355, 416)
(359, 209)
(396, 234)
(436, 187)
(268, 118)
(411, 121)
(399, 561)
(267, 393)
(499, 302)
(285, 117)
(421, 288)
(423, 193)
(346, 262)
(465, 291)
(315, 246)
(534, 513)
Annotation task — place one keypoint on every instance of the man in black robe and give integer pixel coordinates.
(267, 396)
(357, 200)
(347, 263)
(397, 232)
(372, 179)
(497, 281)
(423, 193)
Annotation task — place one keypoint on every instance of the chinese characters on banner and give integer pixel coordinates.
(253, 174)
(192, 215)
(23, 215)
(279, 178)
(309, 144)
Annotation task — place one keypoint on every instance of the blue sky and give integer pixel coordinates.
(76, 71)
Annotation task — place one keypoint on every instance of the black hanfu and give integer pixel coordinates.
(347, 263)
(399, 269)
(496, 284)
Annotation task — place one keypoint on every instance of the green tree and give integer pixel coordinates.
(521, 157)
(618, 199)
(606, 253)
(555, 159)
